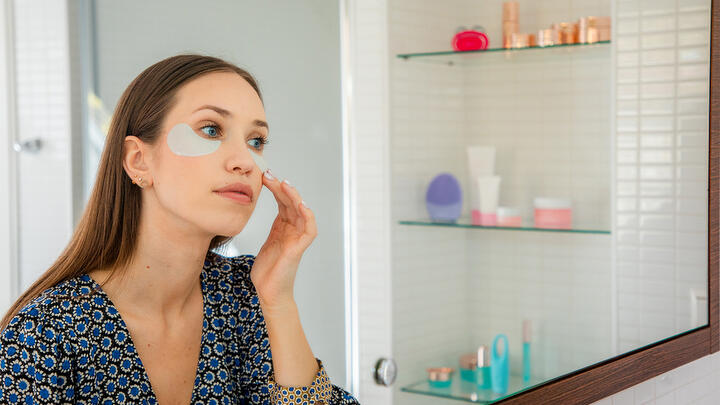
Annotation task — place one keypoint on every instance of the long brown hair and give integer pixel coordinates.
(106, 234)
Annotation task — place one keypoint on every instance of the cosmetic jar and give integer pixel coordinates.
(593, 29)
(520, 40)
(587, 32)
(508, 216)
(468, 366)
(603, 28)
(565, 33)
(553, 213)
(440, 377)
(532, 40)
(545, 37)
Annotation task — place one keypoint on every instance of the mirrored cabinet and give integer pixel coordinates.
(595, 242)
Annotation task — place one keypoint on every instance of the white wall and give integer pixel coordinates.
(8, 276)
(369, 160)
(293, 50)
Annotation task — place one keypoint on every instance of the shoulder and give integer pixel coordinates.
(56, 304)
(231, 269)
(231, 275)
(44, 321)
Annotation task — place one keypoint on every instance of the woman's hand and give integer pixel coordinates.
(275, 266)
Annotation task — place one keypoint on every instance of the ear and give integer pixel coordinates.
(135, 158)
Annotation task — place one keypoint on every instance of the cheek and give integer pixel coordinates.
(184, 183)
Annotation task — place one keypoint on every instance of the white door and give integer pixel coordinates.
(36, 207)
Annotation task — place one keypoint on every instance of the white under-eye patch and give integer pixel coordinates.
(259, 161)
(183, 141)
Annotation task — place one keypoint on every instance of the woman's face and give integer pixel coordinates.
(227, 116)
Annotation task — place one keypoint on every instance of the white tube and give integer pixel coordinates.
(488, 193)
(481, 160)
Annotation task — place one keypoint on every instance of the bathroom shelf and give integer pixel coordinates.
(466, 57)
(466, 223)
(468, 391)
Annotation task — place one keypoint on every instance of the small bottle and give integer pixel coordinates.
(484, 380)
(500, 367)
(526, 350)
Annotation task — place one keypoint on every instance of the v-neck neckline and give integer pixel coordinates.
(146, 378)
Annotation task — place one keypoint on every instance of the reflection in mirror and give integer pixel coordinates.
(592, 159)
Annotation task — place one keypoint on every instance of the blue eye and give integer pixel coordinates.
(212, 130)
(262, 140)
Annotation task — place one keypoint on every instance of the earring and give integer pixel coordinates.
(139, 181)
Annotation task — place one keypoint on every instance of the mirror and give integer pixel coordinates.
(594, 243)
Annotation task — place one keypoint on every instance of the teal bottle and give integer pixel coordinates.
(526, 361)
(500, 365)
(484, 379)
(526, 349)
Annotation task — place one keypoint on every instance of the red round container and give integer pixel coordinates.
(470, 40)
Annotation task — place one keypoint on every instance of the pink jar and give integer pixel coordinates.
(553, 213)
(509, 217)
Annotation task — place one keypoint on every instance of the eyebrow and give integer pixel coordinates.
(226, 113)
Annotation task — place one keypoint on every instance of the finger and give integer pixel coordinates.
(289, 193)
(293, 210)
(283, 200)
(310, 231)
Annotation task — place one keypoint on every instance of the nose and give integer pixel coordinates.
(241, 160)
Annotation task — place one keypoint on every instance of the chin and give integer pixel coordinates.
(228, 229)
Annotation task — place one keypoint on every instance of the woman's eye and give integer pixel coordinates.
(210, 130)
(261, 141)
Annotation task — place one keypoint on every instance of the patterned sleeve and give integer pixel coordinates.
(257, 377)
(320, 391)
(33, 367)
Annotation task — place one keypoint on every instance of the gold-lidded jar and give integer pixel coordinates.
(440, 373)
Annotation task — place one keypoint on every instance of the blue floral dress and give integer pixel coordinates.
(68, 346)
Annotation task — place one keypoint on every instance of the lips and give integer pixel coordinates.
(240, 188)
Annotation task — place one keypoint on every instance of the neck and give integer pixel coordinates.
(163, 278)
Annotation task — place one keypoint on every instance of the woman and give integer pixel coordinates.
(138, 308)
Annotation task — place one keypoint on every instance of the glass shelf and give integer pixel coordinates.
(469, 391)
(466, 223)
(463, 57)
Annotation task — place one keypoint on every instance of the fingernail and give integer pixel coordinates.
(268, 175)
(286, 182)
(303, 203)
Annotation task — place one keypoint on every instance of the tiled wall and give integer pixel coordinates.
(535, 109)
(661, 149)
(547, 113)
(431, 312)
